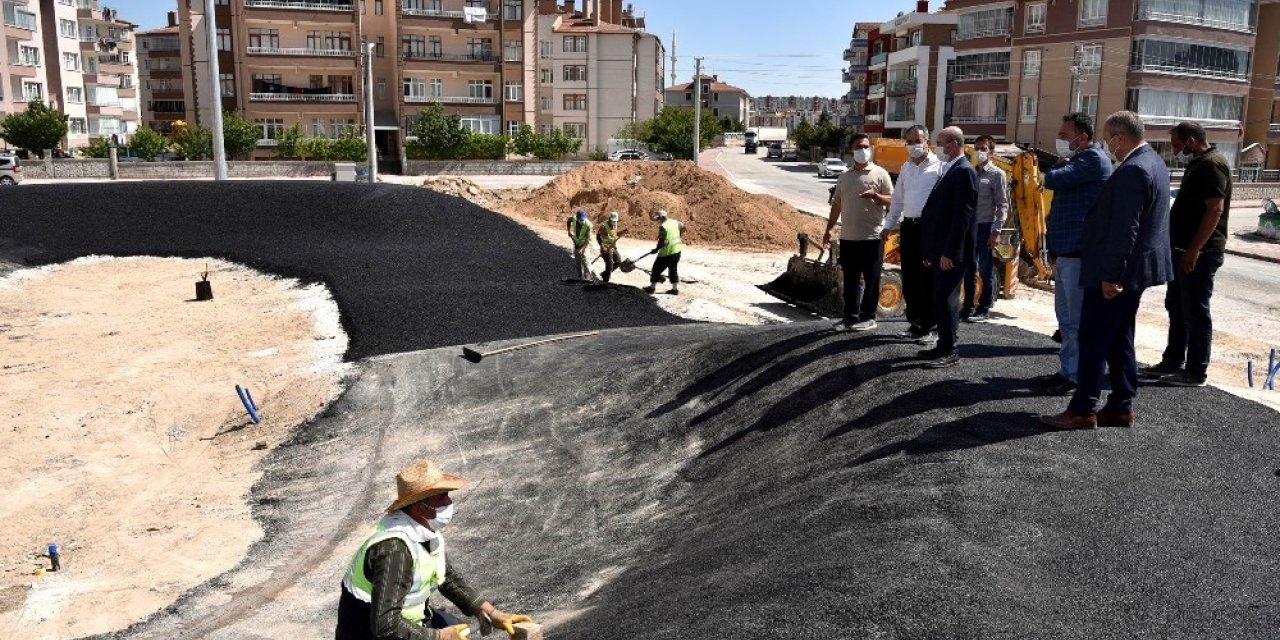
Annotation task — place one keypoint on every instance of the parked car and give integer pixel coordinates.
(10, 170)
(789, 154)
(831, 168)
(775, 150)
(628, 154)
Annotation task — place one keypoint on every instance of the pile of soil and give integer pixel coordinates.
(470, 191)
(714, 211)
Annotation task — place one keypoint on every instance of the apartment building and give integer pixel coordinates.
(22, 59)
(1262, 111)
(160, 76)
(857, 76)
(1167, 60)
(598, 70)
(723, 100)
(911, 55)
(979, 75)
(789, 111)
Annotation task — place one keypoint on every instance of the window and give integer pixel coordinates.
(1223, 14)
(67, 28)
(546, 129)
(1035, 18)
(1088, 104)
(979, 107)
(575, 102)
(1093, 13)
(576, 129)
(32, 91)
(380, 48)
(1088, 59)
(480, 48)
(224, 40)
(437, 88)
(267, 82)
(480, 88)
(688, 95)
(575, 44)
(513, 91)
(914, 37)
(377, 7)
(513, 51)
(435, 46)
(28, 56)
(75, 95)
(315, 40)
(1027, 109)
(269, 128)
(985, 24)
(1031, 63)
(70, 61)
(1189, 58)
(413, 46)
(513, 128)
(981, 66)
(167, 106)
(546, 76)
(337, 40)
(76, 126)
(483, 124)
(382, 89)
(512, 9)
(575, 73)
(341, 85)
(264, 38)
(415, 88)
(544, 48)
(544, 103)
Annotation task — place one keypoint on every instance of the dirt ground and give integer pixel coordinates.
(124, 441)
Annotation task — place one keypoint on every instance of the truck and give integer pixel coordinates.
(767, 135)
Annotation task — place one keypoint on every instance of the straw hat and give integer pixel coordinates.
(421, 479)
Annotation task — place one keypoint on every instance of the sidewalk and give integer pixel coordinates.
(1242, 239)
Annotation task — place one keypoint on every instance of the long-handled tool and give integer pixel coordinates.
(629, 265)
(476, 355)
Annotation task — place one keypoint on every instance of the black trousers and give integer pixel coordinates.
(1106, 343)
(1190, 321)
(611, 262)
(917, 280)
(670, 264)
(862, 261)
(946, 304)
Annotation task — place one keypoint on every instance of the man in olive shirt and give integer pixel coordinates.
(1198, 236)
(862, 194)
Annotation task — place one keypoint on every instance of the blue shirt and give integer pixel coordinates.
(1076, 186)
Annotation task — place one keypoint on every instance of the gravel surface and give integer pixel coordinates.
(409, 268)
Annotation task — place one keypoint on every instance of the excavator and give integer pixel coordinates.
(1022, 255)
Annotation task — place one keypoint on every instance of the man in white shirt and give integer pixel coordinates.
(915, 183)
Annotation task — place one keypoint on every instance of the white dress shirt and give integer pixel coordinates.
(915, 183)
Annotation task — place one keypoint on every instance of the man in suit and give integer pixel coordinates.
(1125, 250)
(947, 228)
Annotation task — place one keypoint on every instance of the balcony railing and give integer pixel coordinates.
(452, 99)
(900, 116)
(21, 20)
(166, 44)
(268, 142)
(876, 89)
(1234, 15)
(301, 51)
(482, 56)
(901, 87)
(94, 102)
(879, 58)
(987, 119)
(1169, 121)
(1275, 127)
(114, 60)
(305, 5)
(442, 13)
(1093, 21)
(875, 118)
(1184, 70)
(302, 97)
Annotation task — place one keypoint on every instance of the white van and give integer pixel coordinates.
(10, 170)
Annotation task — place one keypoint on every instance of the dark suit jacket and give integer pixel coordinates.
(1126, 233)
(947, 221)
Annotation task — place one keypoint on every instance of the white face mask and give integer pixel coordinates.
(941, 153)
(443, 516)
(980, 156)
(1063, 147)
(861, 156)
(916, 150)
(1184, 157)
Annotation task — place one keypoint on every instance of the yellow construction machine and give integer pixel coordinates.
(817, 284)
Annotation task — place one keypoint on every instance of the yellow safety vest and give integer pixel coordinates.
(428, 568)
(581, 231)
(608, 236)
(673, 244)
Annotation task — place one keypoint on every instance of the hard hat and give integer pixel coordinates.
(582, 214)
(613, 216)
(659, 214)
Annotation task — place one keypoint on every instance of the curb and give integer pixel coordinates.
(1255, 256)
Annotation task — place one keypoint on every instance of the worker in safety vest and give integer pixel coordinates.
(668, 250)
(607, 236)
(579, 228)
(387, 589)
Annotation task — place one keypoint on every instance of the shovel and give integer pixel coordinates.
(629, 265)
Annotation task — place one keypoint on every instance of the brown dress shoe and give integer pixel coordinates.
(1116, 418)
(1067, 421)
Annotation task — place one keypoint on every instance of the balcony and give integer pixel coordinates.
(876, 91)
(302, 5)
(1169, 121)
(987, 119)
(105, 102)
(1185, 70)
(1231, 15)
(902, 115)
(902, 87)
(24, 20)
(162, 44)
(852, 75)
(480, 56)
(442, 13)
(1275, 127)
(302, 97)
(874, 118)
(301, 51)
(879, 59)
(452, 99)
(118, 61)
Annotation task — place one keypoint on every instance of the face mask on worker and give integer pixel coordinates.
(861, 156)
(981, 157)
(443, 516)
(1064, 147)
(916, 151)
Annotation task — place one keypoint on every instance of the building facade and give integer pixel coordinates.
(721, 99)
(857, 76)
(160, 81)
(790, 111)
(907, 71)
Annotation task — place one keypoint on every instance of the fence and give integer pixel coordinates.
(67, 169)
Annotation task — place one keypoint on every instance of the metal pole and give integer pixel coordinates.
(219, 150)
(697, 108)
(368, 112)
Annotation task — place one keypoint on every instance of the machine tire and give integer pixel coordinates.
(7, 180)
(892, 304)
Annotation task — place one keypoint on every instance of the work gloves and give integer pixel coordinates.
(503, 620)
(456, 632)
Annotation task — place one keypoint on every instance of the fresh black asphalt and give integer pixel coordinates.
(409, 268)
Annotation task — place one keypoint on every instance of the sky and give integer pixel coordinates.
(764, 46)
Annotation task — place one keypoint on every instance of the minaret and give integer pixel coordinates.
(675, 76)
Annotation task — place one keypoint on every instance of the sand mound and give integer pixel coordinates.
(715, 211)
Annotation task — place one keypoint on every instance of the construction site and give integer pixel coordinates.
(714, 464)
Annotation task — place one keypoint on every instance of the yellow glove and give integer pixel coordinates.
(455, 632)
(507, 621)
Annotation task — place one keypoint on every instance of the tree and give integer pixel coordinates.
(672, 131)
(98, 148)
(349, 146)
(239, 136)
(440, 136)
(544, 146)
(148, 143)
(729, 124)
(193, 142)
(485, 146)
(36, 129)
(289, 141)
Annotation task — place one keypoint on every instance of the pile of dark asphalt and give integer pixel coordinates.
(409, 268)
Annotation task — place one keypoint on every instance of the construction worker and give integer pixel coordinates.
(390, 580)
(607, 236)
(579, 228)
(668, 250)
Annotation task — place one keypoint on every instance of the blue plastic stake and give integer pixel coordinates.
(248, 404)
(1271, 377)
(251, 400)
(1249, 373)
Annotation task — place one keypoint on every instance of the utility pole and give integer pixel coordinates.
(697, 109)
(215, 82)
(368, 111)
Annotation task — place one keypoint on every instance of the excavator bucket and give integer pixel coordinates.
(817, 285)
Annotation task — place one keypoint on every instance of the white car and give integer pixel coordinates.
(628, 154)
(832, 168)
(10, 170)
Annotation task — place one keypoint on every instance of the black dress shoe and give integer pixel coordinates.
(932, 353)
(942, 362)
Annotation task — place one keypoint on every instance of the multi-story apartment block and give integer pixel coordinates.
(22, 60)
(790, 111)
(597, 70)
(160, 76)
(1168, 60)
(723, 100)
(911, 55)
(857, 75)
(979, 75)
